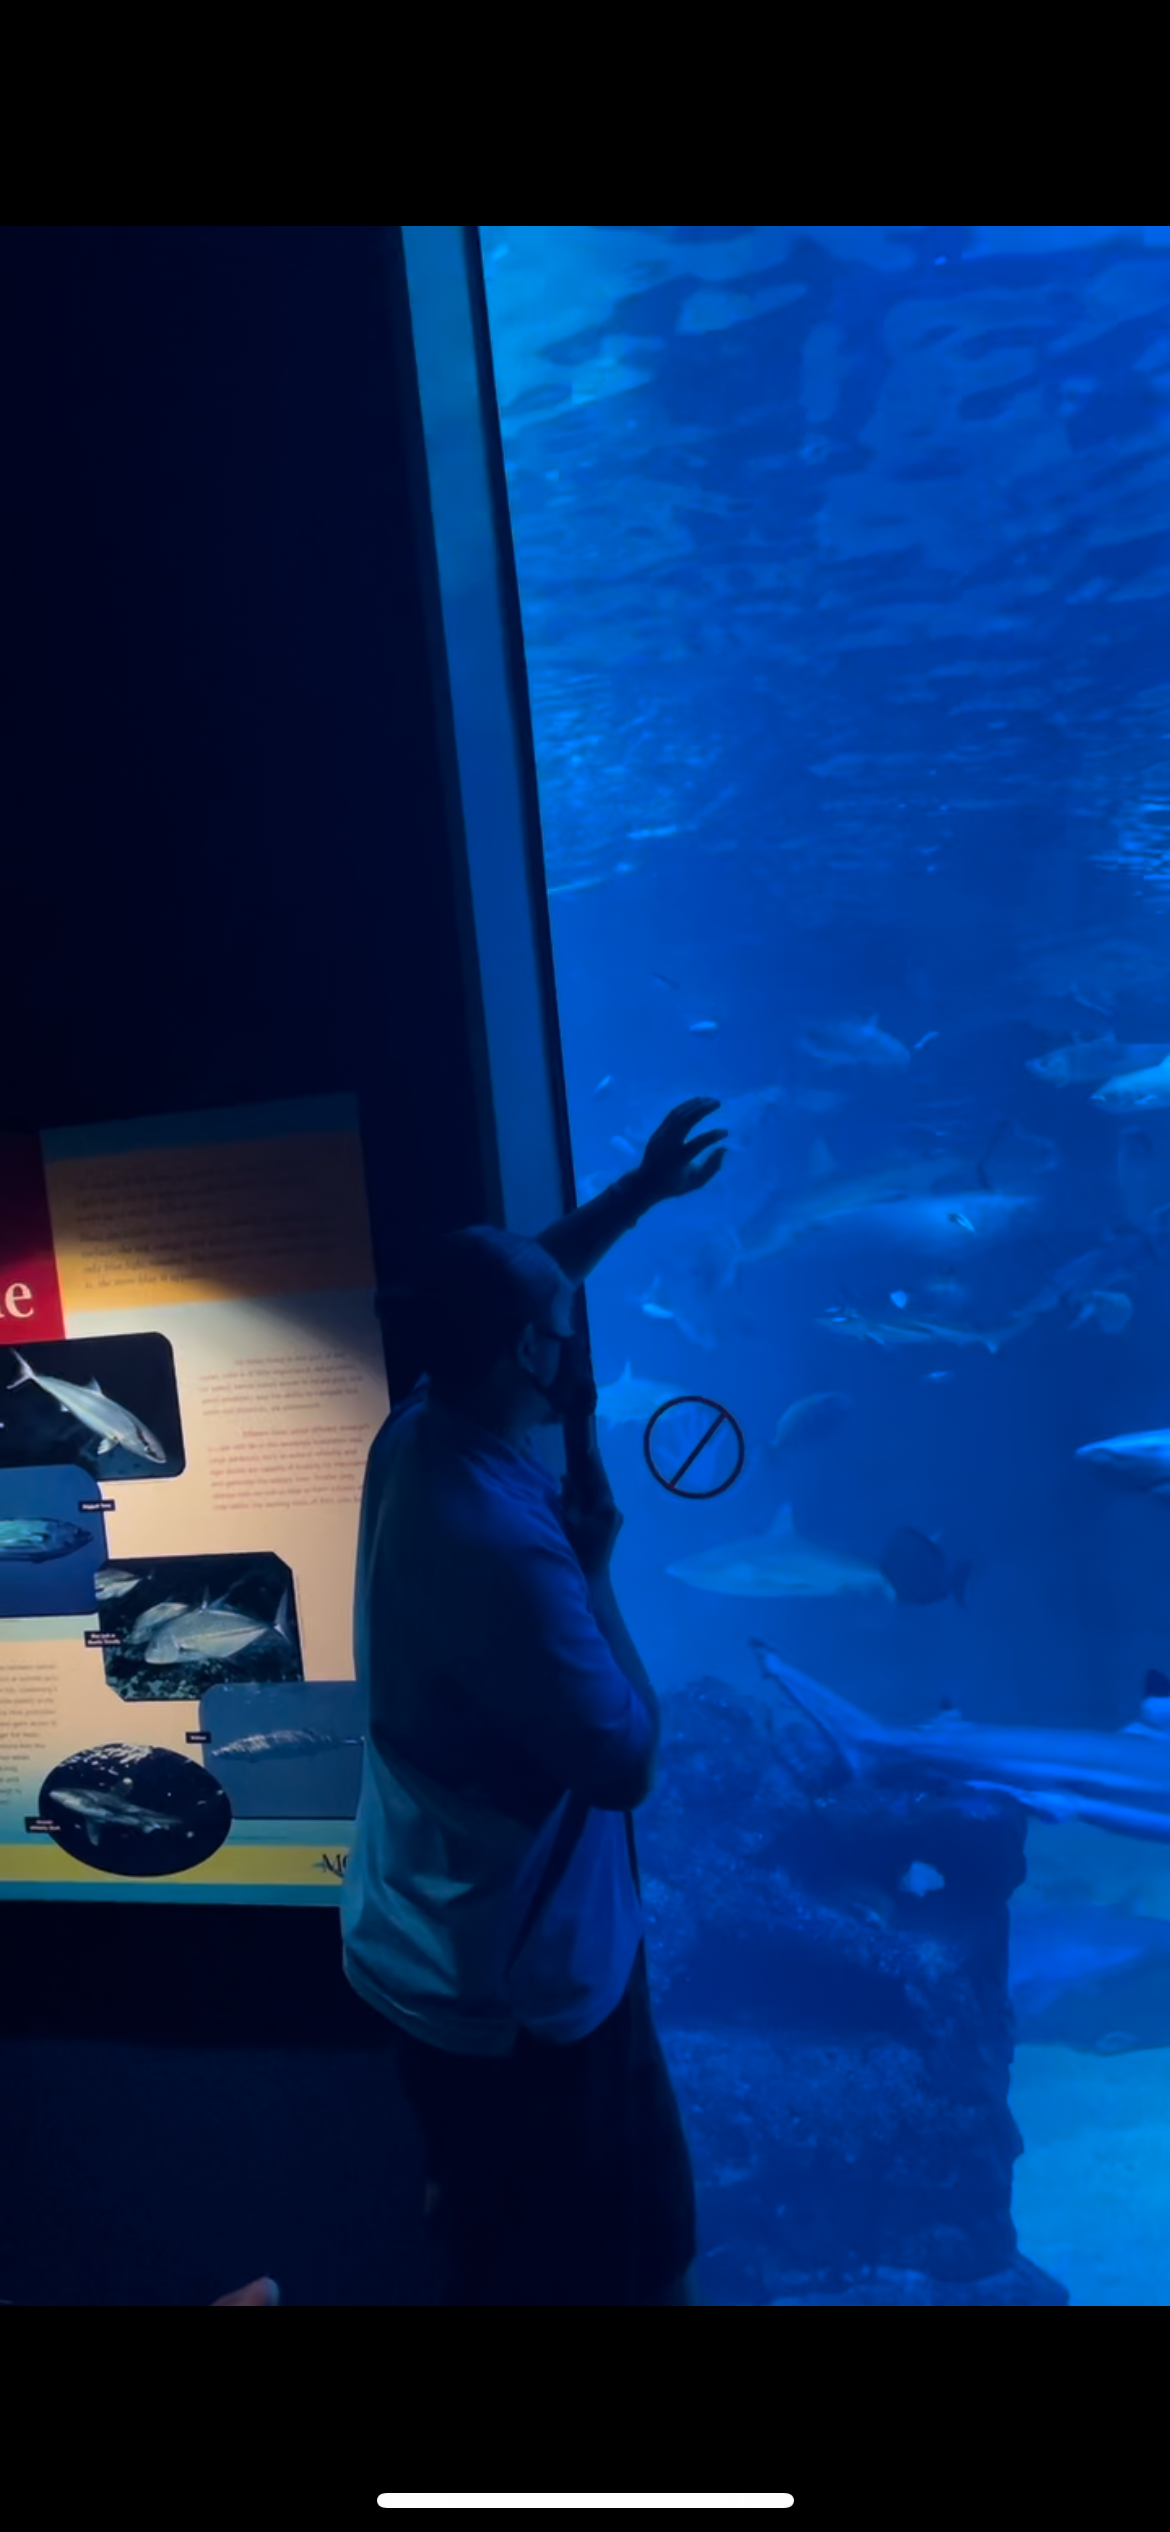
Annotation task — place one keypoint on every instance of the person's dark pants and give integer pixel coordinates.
(564, 2173)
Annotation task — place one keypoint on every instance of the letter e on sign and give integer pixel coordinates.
(18, 1301)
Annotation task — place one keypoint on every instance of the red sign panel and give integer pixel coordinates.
(30, 1296)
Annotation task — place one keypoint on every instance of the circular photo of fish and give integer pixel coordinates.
(140, 1812)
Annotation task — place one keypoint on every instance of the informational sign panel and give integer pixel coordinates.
(191, 1375)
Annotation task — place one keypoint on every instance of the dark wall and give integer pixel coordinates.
(228, 876)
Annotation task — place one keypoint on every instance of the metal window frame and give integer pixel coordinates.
(480, 682)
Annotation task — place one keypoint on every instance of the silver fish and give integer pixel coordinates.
(39, 1541)
(777, 1565)
(287, 1744)
(119, 1427)
(1114, 1780)
(1149, 1088)
(157, 1615)
(213, 1633)
(114, 1581)
(109, 1810)
(1097, 1059)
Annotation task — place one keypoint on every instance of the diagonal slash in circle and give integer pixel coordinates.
(673, 1485)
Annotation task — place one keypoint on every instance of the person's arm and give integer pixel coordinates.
(670, 1166)
(582, 1238)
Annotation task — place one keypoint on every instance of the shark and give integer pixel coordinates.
(942, 1223)
(909, 1328)
(785, 1217)
(1139, 1461)
(632, 1401)
(118, 1427)
(854, 1042)
(776, 1564)
(106, 1809)
(1118, 1781)
(1058, 1953)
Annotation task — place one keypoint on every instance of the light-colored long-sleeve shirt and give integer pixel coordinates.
(486, 1891)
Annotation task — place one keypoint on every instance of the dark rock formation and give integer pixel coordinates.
(841, 2043)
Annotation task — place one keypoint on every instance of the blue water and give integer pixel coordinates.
(845, 571)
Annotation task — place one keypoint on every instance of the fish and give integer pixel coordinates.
(1118, 1781)
(853, 1042)
(936, 1377)
(1096, 1271)
(105, 1809)
(215, 1632)
(704, 1028)
(632, 1401)
(602, 1086)
(1138, 1461)
(1112, 1312)
(621, 1143)
(944, 1223)
(119, 1427)
(156, 1616)
(1096, 1059)
(299, 1744)
(919, 1571)
(811, 1417)
(1059, 1952)
(928, 1040)
(786, 1216)
(777, 1565)
(692, 1321)
(846, 1319)
(1146, 1088)
(39, 1541)
(114, 1581)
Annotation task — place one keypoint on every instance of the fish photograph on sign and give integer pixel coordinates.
(108, 1404)
(193, 1622)
(286, 1752)
(129, 1809)
(50, 1548)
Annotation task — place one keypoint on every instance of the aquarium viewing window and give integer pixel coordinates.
(844, 570)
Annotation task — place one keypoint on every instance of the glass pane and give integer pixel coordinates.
(844, 565)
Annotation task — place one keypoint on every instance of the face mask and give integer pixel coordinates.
(573, 1391)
